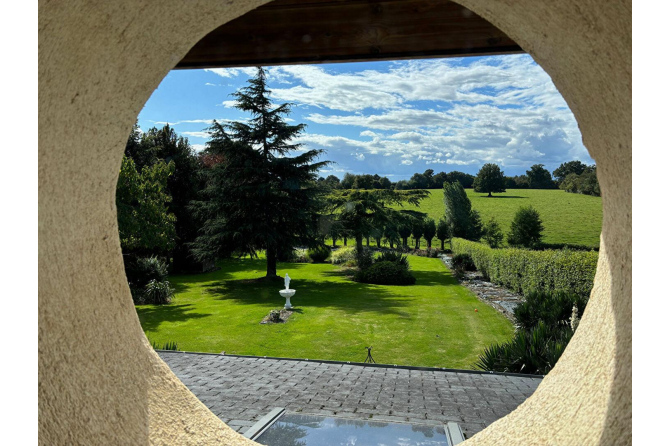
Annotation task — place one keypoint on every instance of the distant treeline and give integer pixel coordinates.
(572, 176)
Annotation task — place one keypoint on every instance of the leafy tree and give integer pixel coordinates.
(586, 183)
(457, 209)
(402, 185)
(429, 230)
(145, 224)
(417, 232)
(391, 233)
(465, 179)
(259, 198)
(526, 228)
(363, 210)
(377, 234)
(493, 235)
(565, 169)
(419, 181)
(334, 231)
(442, 231)
(476, 228)
(405, 230)
(539, 177)
(489, 179)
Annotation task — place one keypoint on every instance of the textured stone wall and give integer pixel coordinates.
(99, 380)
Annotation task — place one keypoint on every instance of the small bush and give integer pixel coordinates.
(319, 254)
(463, 262)
(158, 293)
(142, 270)
(552, 309)
(364, 258)
(344, 256)
(533, 352)
(395, 257)
(385, 273)
(526, 228)
(493, 235)
(169, 345)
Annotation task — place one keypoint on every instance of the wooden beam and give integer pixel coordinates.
(321, 31)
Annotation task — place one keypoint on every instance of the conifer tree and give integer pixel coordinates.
(259, 197)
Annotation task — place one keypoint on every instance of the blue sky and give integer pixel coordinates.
(395, 118)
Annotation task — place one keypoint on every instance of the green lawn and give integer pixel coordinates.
(568, 218)
(432, 323)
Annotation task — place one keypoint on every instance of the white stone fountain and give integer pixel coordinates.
(287, 293)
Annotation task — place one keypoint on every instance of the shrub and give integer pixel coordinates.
(493, 235)
(142, 270)
(364, 258)
(344, 256)
(385, 273)
(526, 228)
(533, 352)
(552, 309)
(395, 257)
(523, 271)
(319, 254)
(463, 262)
(158, 293)
(169, 345)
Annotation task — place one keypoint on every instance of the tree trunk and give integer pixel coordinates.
(271, 255)
(359, 243)
(367, 241)
(429, 243)
(418, 242)
(442, 244)
(345, 241)
(391, 243)
(334, 245)
(490, 194)
(379, 242)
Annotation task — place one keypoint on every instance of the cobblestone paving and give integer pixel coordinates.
(242, 390)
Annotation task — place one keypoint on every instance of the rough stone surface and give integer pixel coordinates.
(240, 390)
(99, 380)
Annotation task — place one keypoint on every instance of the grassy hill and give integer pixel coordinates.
(568, 218)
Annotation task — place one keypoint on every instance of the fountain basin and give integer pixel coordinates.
(287, 294)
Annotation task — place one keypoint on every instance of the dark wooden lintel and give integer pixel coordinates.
(321, 31)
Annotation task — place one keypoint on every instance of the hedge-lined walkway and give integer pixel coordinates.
(240, 390)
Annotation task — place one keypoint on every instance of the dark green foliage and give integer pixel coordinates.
(552, 309)
(142, 270)
(319, 253)
(429, 230)
(545, 328)
(442, 232)
(489, 179)
(145, 224)
(169, 345)
(258, 197)
(533, 352)
(405, 231)
(365, 182)
(524, 271)
(565, 169)
(461, 219)
(158, 293)
(365, 212)
(526, 228)
(493, 235)
(539, 178)
(395, 257)
(465, 179)
(464, 262)
(391, 233)
(364, 258)
(586, 183)
(385, 273)
(417, 232)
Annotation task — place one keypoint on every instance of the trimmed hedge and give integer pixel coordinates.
(525, 271)
(385, 273)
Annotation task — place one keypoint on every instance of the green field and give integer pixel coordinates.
(568, 218)
(432, 323)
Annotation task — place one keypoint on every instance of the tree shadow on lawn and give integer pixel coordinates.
(152, 317)
(434, 278)
(500, 196)
(350, 297)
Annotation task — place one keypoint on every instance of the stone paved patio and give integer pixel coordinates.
(240, 390)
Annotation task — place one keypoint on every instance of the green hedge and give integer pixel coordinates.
(524, 271)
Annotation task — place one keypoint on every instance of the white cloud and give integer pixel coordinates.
(196, 134)
(198, 147)
(359, 156)
(407, 162)
(232, 72)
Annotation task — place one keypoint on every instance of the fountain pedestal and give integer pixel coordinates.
(287, 294)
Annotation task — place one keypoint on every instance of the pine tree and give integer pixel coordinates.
(258, 198)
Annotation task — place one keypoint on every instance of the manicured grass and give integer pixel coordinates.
(568, 218)
(432, 323)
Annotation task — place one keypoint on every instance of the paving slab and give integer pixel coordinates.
(241, 390)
